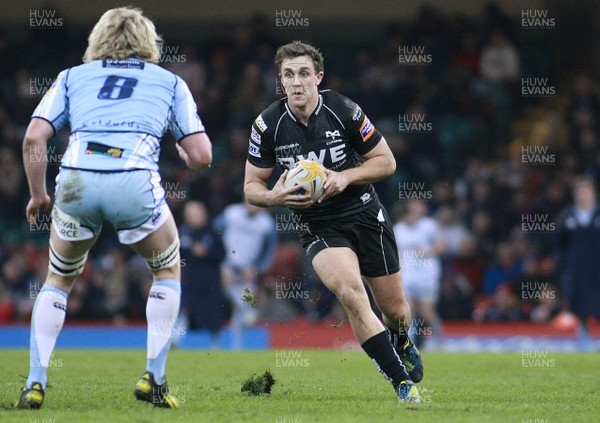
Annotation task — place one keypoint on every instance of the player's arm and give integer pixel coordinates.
(378, 163)
(196, 151)
(193, 145)
(258, 194)
(36, 138)
(50, 115)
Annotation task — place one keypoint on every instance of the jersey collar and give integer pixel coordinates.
(316, 112)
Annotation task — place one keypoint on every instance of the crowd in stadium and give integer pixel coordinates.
(473, 162)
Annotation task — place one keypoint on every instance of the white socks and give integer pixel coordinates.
(161, 312)
(47, 320)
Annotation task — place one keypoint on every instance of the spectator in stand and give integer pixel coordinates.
(504, 268)
(499, 68)
(468, 265)
(452, 231)
(14, 275)
(503, 306)
(466, 58)
(584, 107)
(480, 225)
(577, 246)
(499, 60)
(463, 277)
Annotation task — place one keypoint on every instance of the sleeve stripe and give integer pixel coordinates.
(187, 135)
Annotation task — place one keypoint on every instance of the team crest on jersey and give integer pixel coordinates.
(255, 136)
(253, 150)
(260, 124)
(332, 134)
(366, 129)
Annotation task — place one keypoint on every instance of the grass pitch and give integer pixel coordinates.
(311, 386)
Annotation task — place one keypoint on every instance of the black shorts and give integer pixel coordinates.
(368, 233)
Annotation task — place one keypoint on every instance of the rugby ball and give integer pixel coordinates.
(310, 175)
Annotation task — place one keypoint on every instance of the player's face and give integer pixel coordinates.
(300, 82)
(585, 196)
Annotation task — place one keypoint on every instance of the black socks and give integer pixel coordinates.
(398, 338)
(384, 355)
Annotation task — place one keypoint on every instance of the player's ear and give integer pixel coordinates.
(320, 77)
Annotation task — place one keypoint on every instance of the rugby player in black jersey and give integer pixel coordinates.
(348, 231)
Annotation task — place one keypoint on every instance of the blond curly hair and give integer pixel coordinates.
(121, 33)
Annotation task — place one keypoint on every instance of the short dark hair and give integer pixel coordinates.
(583, 180)
(296, 49)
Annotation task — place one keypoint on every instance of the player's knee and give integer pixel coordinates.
(64, 266)
(351, 297)
(164, 260)
(397, 312)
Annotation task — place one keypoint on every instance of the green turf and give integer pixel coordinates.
(323, 386)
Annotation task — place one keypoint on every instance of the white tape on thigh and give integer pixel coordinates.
(66, 266)
(164, 260)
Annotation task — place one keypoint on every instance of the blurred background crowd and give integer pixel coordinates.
(489, 161)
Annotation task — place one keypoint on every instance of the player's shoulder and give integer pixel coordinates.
(267, 120)
(341, 105)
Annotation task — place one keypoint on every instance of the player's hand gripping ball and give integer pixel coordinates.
(310, 175)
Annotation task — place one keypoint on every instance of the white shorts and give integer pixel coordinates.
(422, 289)
(133, 202)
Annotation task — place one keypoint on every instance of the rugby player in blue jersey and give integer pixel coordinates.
(118, 105)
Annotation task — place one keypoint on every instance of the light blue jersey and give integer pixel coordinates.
(118, 110)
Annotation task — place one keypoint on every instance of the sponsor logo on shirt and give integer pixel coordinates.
(253, 150)
(255, 136)
(366, 129)
(357, 114)
(260, 124)
(366, 197)
(123, 63)
(105, 150)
